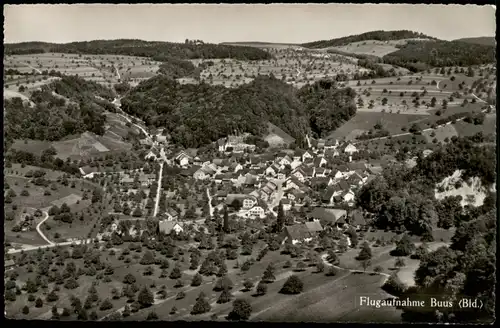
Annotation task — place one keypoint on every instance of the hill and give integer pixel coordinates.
(53, 117)
(374, 35)
(196, 115)
(153, 49)
(483, 40)
(418, 56)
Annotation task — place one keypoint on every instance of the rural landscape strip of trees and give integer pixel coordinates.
(163, 102)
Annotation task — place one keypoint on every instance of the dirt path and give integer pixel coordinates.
(40, 230)
(158, 192)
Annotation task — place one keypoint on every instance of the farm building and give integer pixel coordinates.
(9, 265)
(300, 233)
(327, 215)
(167, 226)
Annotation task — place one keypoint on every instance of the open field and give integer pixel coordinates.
(87, 144)
(373, 47)
(98, 68)
(295, 67)
(364, 121)
(330, 302)
(468, 129)
(39, 199)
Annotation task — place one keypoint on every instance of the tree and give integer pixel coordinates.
(145, 297)
(225, 296)
(421, 251)
(404, 247)
(399, 263)
(222, 283)
(71, 284)
(152, 316)
(26, 310)
(241, 310)
(365, 264)
(365, 253)
(281, 218)
(268, 275)
(38, 303)
(261, 288)
(201, 306)
(129, 279)
(176, 273)
(293, 285)
(226, 221)
(106, 305)
(332, 271)
(248, 284)
(197, 280)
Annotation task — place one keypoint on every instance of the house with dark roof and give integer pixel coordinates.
(166, 227)
(319, 162)
(328, 215)
(296, 234)
(357, 219)
(296, 195)
(301, 233)
(321, 181)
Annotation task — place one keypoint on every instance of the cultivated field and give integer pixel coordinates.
(295, 67)
(104, 69)
(374, 47)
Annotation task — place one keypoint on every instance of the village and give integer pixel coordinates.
(316, 187)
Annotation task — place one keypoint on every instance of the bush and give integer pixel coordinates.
(293, 285)
(180, 296)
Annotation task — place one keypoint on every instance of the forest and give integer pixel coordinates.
(176, 68)
(403, 199)
(52, 117)
(418, 55)
(155, 50)
(373, 35)
(196, 115)
(466, 269)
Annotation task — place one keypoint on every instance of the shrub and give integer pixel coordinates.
(152, 316)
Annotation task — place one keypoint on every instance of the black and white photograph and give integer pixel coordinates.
(297, 163)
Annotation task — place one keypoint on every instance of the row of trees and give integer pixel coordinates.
(195, 115)
(152, 49)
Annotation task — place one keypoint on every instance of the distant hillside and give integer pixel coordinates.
(374, 35)
(483, 40)
(418, 56)
(152, 49)
(258, 44)
(195, 115)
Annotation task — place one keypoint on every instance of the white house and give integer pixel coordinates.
(257, 211)
(299, 174)
(151, 154)
(249, 202)
(200, 175)
(307, 155)
(350, 149)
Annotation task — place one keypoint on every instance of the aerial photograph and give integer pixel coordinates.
(322, 163)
